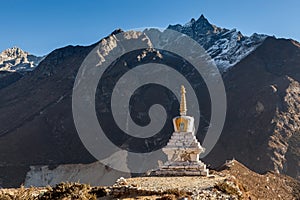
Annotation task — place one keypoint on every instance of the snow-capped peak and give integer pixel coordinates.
(226, 47)
(16, 60)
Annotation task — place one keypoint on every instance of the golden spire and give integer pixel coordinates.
(182, 102)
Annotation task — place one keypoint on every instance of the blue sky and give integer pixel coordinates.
(40, 26)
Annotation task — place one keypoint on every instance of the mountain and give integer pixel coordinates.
(16, 60)
(262, 123)
(226, 47)
(37, 112)
(261, 127)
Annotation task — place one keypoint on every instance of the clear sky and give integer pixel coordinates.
(40, 26)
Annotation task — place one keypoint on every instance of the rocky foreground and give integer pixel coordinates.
(231, 181)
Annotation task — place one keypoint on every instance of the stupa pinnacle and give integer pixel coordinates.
(183, 109)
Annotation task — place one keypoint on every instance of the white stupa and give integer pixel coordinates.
(183, 148)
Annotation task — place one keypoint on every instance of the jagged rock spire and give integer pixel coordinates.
(183, 101)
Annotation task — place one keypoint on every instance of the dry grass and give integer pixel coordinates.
(20, 194)
(69, 191)
(227, 188)
(72, 191)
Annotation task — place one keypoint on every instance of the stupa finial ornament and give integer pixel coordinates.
(183, 102)
(183, 123)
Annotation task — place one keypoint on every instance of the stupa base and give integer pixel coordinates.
(181, 169)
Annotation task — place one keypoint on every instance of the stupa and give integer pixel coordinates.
(183, 148)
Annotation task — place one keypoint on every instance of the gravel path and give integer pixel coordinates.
(187, 183)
